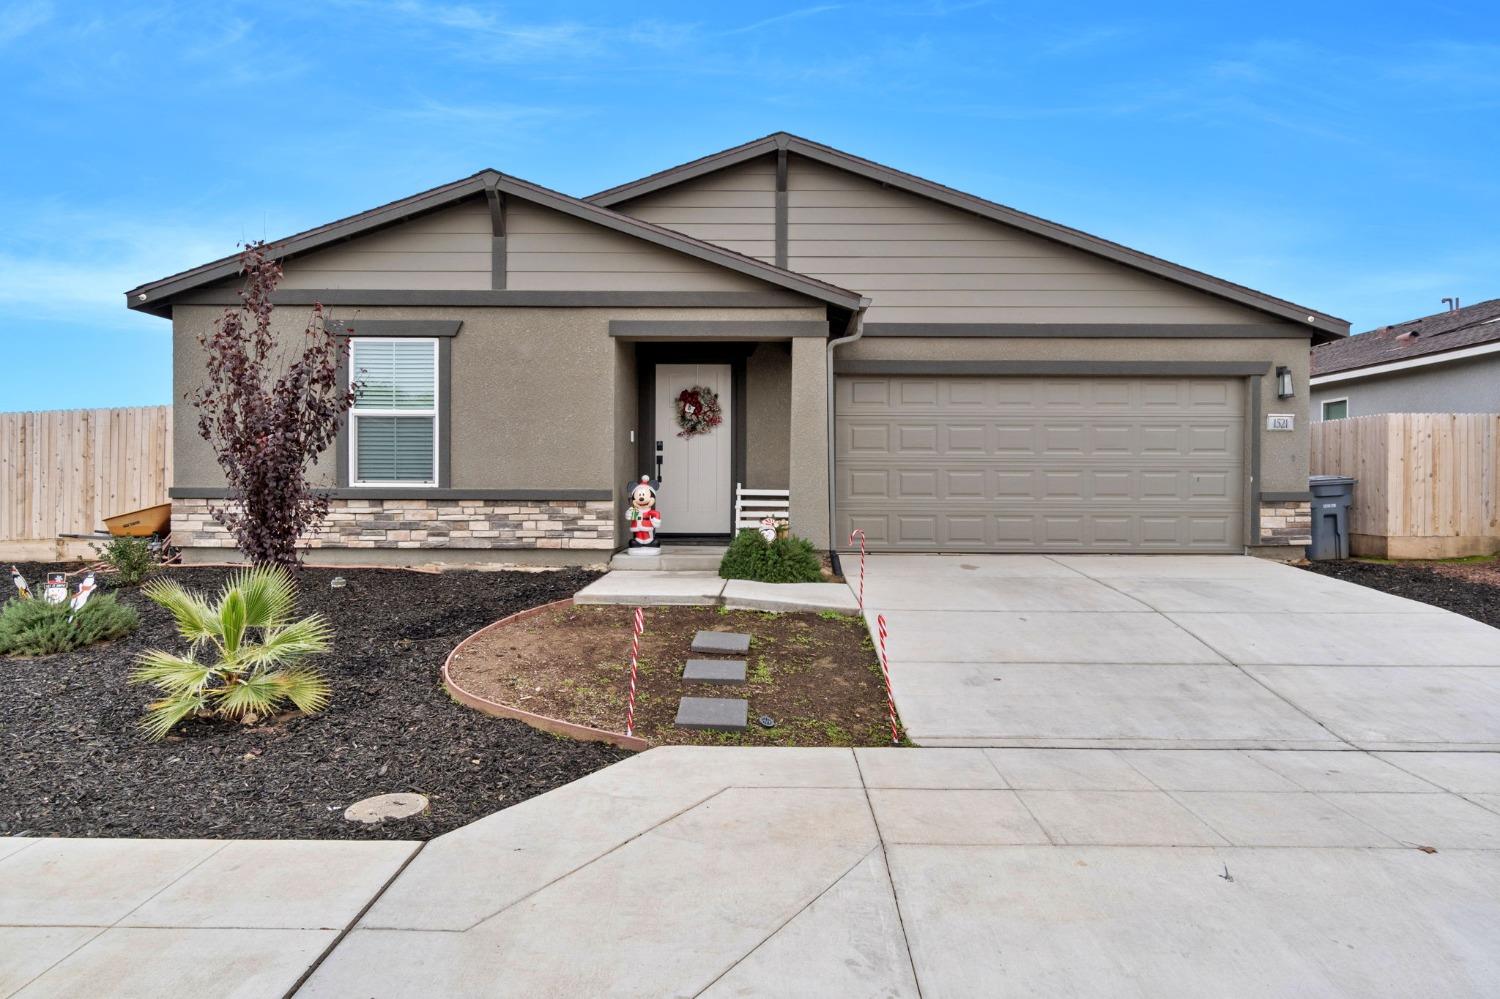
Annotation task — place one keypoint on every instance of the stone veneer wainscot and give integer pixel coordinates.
(417, 523)
(1286, 523)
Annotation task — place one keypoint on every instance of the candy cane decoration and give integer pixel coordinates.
(635, 655)
(885, 671)
(861, 534)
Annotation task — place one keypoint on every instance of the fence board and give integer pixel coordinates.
(1429, 483)
(63, 472)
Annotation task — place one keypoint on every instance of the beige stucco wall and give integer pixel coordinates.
(540, 398)
(768, 415)
(808, 462)
(1284, 455)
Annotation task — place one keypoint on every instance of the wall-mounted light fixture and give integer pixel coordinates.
(1284, 383)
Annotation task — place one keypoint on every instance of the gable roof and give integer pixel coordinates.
(1325, 325)
(155, 296)
(1470, 326)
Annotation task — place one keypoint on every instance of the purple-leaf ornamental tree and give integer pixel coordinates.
(269, 412)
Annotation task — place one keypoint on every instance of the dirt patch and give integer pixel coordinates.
(1470, 588)
(816, 675)
(72, 762)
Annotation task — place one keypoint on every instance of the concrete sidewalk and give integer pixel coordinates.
(151, 918)
(1175, 652)
(812, 872)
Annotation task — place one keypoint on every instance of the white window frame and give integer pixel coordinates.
(357, 411)
(1323, 408)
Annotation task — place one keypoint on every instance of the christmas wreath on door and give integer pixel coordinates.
(697, 411)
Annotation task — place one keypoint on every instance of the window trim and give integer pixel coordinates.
(1323, 409)
(351, 471)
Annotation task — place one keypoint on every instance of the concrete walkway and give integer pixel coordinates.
(812, 872)
(1175, 652)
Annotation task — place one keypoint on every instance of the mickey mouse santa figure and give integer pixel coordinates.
(644, 519)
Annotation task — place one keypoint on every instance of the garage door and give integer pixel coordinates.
(1046, 464)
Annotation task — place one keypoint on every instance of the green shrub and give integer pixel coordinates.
(786, 560)
(37, 628)
(257, 652)
(131, 558)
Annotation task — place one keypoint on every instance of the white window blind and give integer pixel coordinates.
(394, 418)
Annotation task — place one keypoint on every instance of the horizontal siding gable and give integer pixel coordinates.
(548, 250)
(922, 261)
(445, 249)
(734, 207)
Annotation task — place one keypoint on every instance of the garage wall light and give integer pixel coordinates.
(1284, 383)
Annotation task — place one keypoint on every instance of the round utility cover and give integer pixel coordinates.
(386, 806)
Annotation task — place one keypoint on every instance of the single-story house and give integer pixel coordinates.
(942, 372)
(1443, 363)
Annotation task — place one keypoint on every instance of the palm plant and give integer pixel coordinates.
(257, 652)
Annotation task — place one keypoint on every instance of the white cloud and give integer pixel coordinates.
(17, 19)
(791, 15)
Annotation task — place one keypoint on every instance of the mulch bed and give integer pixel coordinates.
(1468, 588)
(72, 762)
(816, 675)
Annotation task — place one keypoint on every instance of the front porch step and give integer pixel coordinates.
(705, 558)
(721, 714)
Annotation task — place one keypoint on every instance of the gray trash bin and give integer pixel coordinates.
(1331, 497)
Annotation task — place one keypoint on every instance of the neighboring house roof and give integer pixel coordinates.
(1327, 326)
(1440, 333)
(155, 295)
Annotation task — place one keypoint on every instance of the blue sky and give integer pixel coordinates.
(1343, 156)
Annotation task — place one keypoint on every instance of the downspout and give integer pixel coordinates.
(852, 332)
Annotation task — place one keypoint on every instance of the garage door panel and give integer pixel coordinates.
(1041, 464)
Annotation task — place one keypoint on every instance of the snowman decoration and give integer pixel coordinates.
(643, 518)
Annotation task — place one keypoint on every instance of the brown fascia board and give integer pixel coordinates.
(1327, 326)
(154, 297)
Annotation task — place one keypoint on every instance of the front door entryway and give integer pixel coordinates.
(695, 495)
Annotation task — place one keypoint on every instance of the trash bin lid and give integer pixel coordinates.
(1331, 480)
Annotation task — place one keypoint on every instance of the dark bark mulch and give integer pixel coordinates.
(1469, 590)
(72, 762)
(815, 675)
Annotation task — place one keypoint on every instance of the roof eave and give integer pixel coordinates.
(1328, 326)
(155, 297)
(144, 297)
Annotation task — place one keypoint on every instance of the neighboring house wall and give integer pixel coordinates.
(448, 248)
(1467, 386)
(734, 207)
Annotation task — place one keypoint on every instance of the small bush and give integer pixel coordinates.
(37, 628)
(786, 560)
(131, 559)
(256, 652)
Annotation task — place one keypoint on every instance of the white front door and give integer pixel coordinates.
(695, 491)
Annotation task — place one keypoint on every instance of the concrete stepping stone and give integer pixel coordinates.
(722, 642)
(715, 670)
(729, 714)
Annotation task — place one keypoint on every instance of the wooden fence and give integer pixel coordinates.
(1429, 483)
(64, 471)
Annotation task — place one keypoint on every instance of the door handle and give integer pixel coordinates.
(658, 462)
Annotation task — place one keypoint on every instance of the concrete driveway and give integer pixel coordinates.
(1175, 652)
